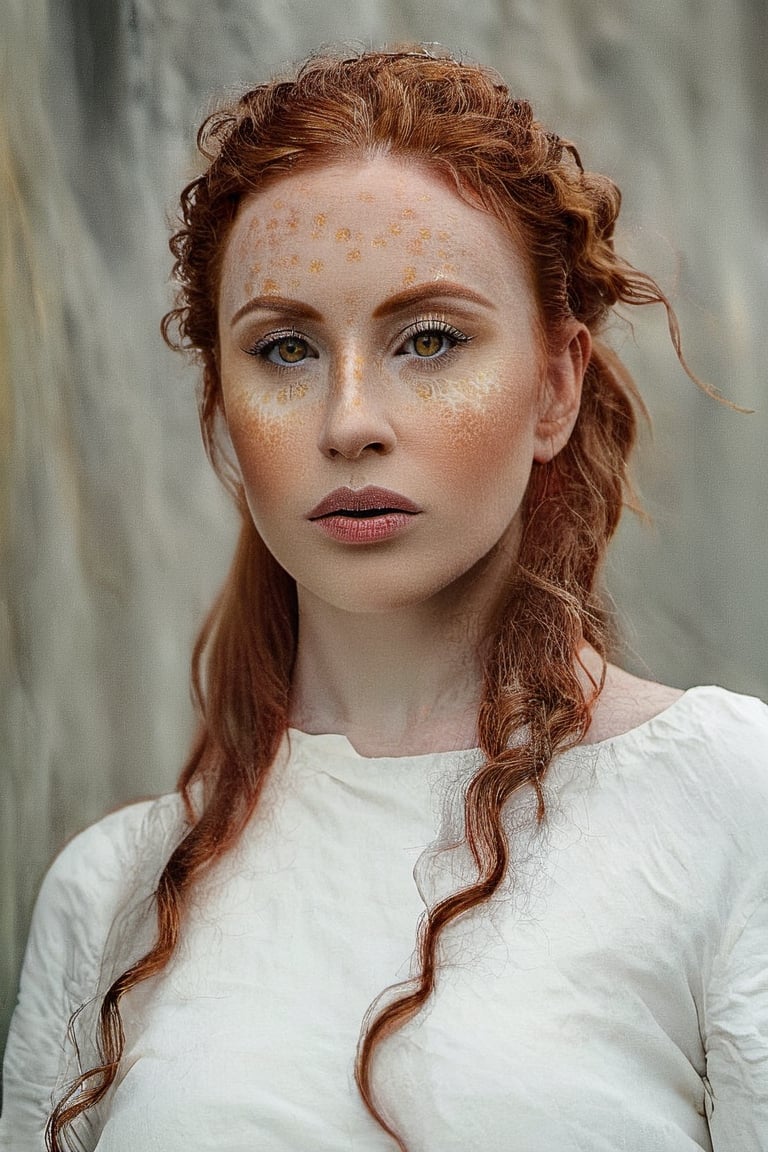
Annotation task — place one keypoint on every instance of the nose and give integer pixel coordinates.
(356, 416)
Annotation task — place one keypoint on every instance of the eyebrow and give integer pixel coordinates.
(434, 290)
(276, 304)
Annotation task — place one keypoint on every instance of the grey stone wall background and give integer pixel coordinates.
(114, 535)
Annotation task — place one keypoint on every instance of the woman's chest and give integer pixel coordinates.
(554, 1014)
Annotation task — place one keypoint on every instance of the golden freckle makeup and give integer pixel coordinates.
(359, 262)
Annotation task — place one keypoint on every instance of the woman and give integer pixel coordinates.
(396, 281)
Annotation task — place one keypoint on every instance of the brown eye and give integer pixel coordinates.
(289, 350)
(431, 340)
(283, 349)
(428, 343)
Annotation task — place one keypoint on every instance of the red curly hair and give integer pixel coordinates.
(460, 120)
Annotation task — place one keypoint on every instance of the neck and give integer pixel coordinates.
(395, 683)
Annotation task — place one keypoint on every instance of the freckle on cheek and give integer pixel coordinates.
(316, 265)
(379, 242)
(409, 275)
(468, 424)
(407, 213)
(270, 287)
(343, 234)
(294, 392)
(353, 254)
(395, 229)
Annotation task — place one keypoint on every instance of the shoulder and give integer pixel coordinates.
(720, 727)
(708, 740)
(104, 868)
(128, 841)
(700, 766)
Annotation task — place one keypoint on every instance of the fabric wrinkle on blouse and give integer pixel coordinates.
(613, 994)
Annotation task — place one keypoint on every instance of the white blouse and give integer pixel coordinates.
(613, 996)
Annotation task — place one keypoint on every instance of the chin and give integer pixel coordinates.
(368, 600)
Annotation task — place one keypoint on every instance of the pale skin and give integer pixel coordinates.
(377, 329)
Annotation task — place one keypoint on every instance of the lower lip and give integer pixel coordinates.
(364, 529)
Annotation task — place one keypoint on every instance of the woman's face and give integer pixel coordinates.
(376, 331)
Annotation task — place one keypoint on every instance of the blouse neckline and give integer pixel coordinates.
(339, 744)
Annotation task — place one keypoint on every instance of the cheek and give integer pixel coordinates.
(263, 442)
(481, 412)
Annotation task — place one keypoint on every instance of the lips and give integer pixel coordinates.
(369, 501)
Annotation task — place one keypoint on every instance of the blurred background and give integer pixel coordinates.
(113, 534)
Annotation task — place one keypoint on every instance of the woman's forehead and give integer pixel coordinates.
(361, 219)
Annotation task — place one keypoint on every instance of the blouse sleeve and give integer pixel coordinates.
(80, 896)
(737, 1037)
(735, 1019)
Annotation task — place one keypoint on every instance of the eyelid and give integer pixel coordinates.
(432, 324)
(265, 343)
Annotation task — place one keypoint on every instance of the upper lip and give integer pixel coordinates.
(362, 500)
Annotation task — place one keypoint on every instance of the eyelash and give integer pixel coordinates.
(433, 324)
(263, 347)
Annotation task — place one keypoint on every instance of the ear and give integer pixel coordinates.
(561, 392)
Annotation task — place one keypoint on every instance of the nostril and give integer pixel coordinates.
(352, 453)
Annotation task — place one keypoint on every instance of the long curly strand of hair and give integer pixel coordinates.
(459, 120)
